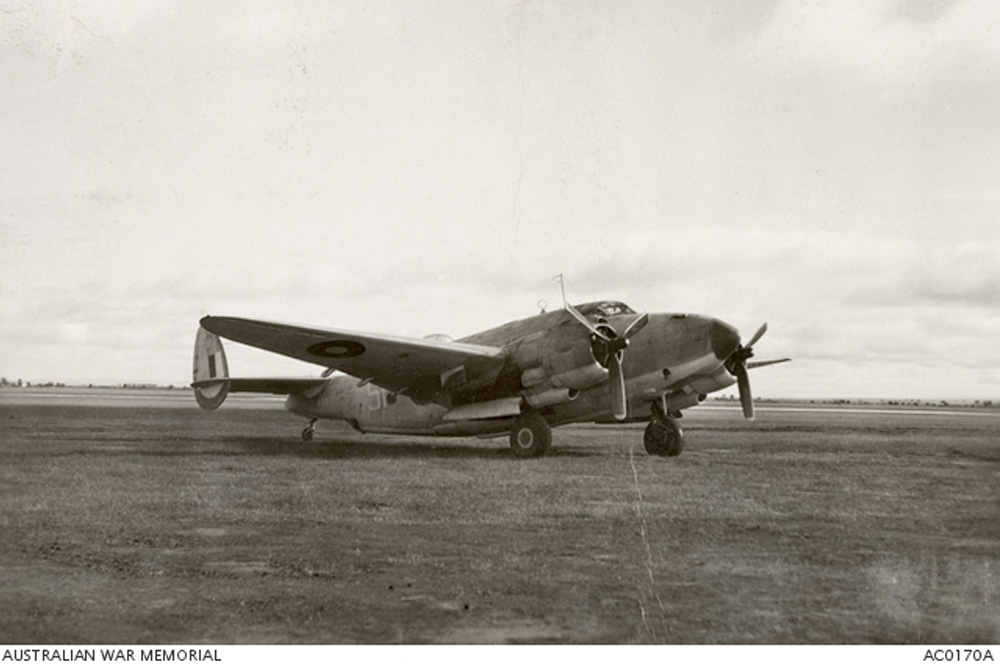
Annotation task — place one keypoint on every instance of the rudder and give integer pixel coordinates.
(211, 370)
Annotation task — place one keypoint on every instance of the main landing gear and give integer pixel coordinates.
(530, 436)
(309, 431)
(664, 436)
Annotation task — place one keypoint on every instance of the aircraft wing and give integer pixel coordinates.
(425, 369)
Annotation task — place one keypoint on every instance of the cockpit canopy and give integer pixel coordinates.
(604, 309)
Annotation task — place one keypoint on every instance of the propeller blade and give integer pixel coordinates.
(619, 403)
(756, 336)
(636, 326)
(585, 322)
(746, 397)
(769, 362)
(617, 345)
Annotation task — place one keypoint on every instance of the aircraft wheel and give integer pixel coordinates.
(530, 436)
(307, 433)
(663, 437)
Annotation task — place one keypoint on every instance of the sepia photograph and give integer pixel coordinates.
(537, 322)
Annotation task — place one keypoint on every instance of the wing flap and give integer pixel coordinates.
(501, 407)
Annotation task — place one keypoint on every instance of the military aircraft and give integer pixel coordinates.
(559, 367)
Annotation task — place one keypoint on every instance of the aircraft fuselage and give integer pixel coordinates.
(674, 364)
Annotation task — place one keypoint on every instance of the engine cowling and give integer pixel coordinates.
(558, 358)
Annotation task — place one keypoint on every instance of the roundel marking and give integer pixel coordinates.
(336, 349)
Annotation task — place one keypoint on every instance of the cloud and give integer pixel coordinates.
(945, 276)
(968, 274)
(420, 168)
(883, 40)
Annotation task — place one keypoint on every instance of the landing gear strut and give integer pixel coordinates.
(530, 436)
(309, 431)
(664, 436)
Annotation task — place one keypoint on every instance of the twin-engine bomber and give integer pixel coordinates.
(522, 378)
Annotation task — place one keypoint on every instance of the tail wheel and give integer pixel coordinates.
(530, 436)
(663, 437)
(309, 431)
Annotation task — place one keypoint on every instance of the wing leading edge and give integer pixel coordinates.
(423, 369)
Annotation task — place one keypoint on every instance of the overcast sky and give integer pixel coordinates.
(832, 168)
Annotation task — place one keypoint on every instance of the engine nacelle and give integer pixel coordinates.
(558, 358)
(680, 400)
(548, 397)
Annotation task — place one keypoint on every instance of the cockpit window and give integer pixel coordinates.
(605, 309)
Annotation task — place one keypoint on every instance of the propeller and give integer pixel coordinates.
(737, 365)
(609, 350)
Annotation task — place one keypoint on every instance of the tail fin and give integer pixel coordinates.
(211, 371)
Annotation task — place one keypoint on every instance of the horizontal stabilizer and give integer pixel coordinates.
(307, 386)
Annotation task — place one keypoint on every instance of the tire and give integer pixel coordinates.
(663, 437)
(530, 436)
(307, 435)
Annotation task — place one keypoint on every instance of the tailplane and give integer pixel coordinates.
(211, 371)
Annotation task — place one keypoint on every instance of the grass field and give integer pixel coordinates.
(136, 524)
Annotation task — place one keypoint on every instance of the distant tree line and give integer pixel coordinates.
(861, 401)
(4, 382)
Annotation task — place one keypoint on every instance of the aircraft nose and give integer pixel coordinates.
(725, 339)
